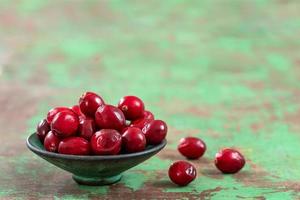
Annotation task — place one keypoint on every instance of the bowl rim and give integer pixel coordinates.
(92, 157)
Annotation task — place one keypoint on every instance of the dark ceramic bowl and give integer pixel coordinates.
(93, 170)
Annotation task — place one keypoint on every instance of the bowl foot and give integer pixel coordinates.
(96, 181)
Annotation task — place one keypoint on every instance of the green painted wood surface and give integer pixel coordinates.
(225, 71)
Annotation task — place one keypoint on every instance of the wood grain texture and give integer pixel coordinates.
(225, 71)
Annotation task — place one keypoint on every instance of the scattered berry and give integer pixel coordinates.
(191, 147)
(229, 161)
(182, 173)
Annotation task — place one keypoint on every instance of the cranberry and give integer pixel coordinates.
(133, 140)
(132, 107)
(74, 146)
(106, 142)
(191, 147)
(155, 131)
(141, 122)
(77, 110)
(182, 173)
(89, 102)
(54, 111)
(51, 142)
(125, 128)
(65, 124)
(42, 129)
(87, 127)
(229, 161)
(110, 117)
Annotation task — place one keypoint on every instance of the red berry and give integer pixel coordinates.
(74, 146)
(125, 128)
(141, 122)
(89, 102)
(54, 111)
(106, 142)
(51, 142)
(191, 147)
(87, 127)
(110, 117)
(133, 140)
(42, 129)
(155, 131)
(229, 161)
(182, 173)
(65, 124)
(77, 110)
(132, 107)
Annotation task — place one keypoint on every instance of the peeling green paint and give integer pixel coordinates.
(236, 60)
(71, 197)
(60, 75)
(136, 177)
(153, 164)
(134, 180)
(279, 62)
(5, 192)
(31, 6)
(94, 190)
(230, 189)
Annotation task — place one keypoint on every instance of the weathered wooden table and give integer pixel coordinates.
(225, 71)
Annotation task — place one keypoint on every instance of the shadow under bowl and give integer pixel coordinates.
(94, 170)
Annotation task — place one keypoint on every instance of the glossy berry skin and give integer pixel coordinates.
(106, 142)
(54, 111)
(191, 147)
(77, 110)
(132, 107)
(42, 129)
(110, 117)
(87, 127)
(125, 128)
(229, 161)
(65, 124)
(182, 173)
(51, 142)
(141, 122)
(89, 102)
(74, 146)
(155, 131)
(133, 140)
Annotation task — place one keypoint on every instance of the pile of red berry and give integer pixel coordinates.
(96, 128)
(228, 161)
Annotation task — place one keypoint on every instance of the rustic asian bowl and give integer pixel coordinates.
(93, 170)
